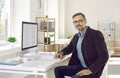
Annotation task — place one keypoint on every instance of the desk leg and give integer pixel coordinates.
(45, 75)
(35, 76)
(57, 47)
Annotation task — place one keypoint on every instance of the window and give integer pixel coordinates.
(4, 18)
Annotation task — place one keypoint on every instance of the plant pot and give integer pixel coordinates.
(47, 40)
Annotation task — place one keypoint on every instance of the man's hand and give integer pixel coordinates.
(84, 72)
(58, 55)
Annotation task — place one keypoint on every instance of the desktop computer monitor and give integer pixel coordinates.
(29, 36)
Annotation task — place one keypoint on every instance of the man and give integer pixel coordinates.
(89, 52)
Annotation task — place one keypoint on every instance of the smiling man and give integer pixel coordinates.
(89, 52)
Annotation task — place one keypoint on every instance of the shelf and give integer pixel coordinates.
(108, 30)
(40, 42)
(117, 47)
(111, 30)
(46, 33)
(43, 30)
(117, 40)
(111, 40)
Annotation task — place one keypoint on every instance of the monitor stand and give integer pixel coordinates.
(29, 54)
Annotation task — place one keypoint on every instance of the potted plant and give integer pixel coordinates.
(69, 37)
(11, 40)
(51, 35)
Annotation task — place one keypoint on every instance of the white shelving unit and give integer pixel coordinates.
(46, 33)
(111, 34)
(108, 30)
(117, 38)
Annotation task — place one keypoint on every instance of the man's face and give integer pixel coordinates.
(79, 22)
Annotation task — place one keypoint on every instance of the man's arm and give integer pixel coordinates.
(58, 55)
(69, 48)
(65, 51)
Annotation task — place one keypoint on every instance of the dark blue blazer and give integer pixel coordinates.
(94, 51)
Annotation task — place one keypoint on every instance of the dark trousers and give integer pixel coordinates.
(62, 71)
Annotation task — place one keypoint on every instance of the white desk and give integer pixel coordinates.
(40, 66)
(8, 51)
(114, 65)
(114, 61)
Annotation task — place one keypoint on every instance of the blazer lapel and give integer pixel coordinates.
(76, 39)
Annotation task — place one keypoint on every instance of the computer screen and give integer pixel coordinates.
(29, 35)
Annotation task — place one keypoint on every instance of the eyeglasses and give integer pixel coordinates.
(76, 22)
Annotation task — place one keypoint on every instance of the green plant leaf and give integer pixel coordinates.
(51, 35)
(11, 39)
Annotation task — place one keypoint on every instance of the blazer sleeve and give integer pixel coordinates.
(101, 51)
(69, 48)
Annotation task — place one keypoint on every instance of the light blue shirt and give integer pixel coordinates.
(79, 51)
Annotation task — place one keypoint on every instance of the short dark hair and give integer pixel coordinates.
(79, 13)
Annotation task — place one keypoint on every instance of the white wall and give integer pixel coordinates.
(25, 10)
(21, 13)
(62, 11)
(95, 10)
(61, 18)
(35, 9)
(52, 12)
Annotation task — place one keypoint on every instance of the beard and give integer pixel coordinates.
(80, 28)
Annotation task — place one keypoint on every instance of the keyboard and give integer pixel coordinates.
(10, 62)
